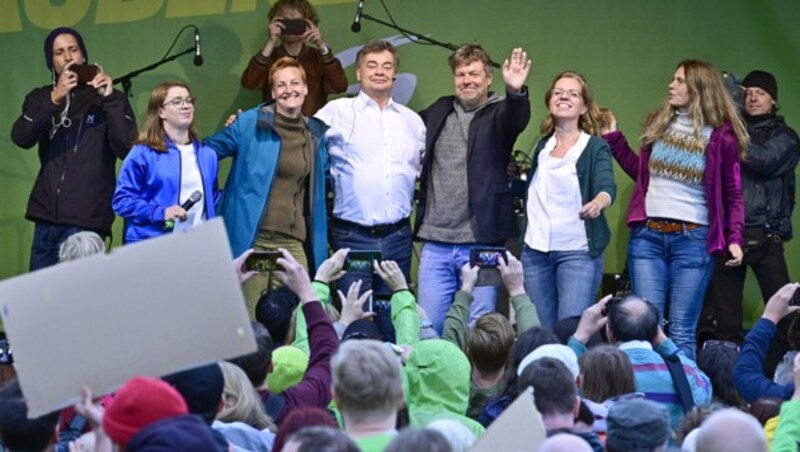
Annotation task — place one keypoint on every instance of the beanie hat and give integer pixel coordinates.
(763, 80)
(48, 44)
(179, 433)
(140, 402)
(363, 329)
(637, 424)
(201, 387)
(289, 365)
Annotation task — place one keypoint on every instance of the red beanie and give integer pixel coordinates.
(138, 403)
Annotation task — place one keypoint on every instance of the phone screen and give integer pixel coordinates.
(486, 257)
(361, 261)
(262, 261)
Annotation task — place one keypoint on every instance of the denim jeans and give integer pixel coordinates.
(394, 246)
(47, 239)
(561, 283)
(440, 278)
(672, 271)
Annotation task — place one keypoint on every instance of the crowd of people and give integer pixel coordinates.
(349, 357)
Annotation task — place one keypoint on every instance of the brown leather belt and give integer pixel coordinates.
(671, 226)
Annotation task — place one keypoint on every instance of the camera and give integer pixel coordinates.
(262, 261)
(487, 257)
(612, 303)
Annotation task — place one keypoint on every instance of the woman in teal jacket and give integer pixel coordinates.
(275, 193)
(570, 184)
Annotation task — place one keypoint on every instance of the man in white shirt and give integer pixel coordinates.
(376, 148)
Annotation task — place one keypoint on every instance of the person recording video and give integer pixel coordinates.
(293, 24)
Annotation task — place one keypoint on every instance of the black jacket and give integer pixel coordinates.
(768, 179)
(76, 180)
(492, 134)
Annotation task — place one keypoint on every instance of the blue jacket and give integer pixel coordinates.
(150, 181)
(255, 147)
(748, 375)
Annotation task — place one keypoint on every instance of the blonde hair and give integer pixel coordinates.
(710, 104)
(152, 133)
(589, 122)
(241, 401)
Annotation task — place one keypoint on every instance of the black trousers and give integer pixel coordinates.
(721, 317)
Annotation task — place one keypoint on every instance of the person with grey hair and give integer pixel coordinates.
(368, 390)
(456, 433)
(731, 430)
(79, 245)
(562, 442)
(419, 439)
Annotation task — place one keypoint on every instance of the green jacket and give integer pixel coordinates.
(438, 376)
(787, 436)
(595, 175)
(456, 328)
(456, 323)
(405, 318)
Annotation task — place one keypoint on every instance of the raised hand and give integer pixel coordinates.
(515, 70)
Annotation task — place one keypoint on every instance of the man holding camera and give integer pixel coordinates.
(768, 184)
(465, 196)
(82, 125)
(294, 23)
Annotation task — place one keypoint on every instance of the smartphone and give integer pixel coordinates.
(85, 72)
(487, 257)
(293, 27)
(262, 261)
(361, 261)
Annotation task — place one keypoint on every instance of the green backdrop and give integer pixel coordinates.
(628, 51)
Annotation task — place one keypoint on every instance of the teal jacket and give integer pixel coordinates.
(255, 147)
(595, 175)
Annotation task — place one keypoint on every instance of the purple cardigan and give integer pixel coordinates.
(723, 185)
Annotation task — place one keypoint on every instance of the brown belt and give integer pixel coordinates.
(668, 227)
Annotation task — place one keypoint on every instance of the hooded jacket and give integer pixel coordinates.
(438, 375)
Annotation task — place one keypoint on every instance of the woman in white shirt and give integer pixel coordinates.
(571, 183)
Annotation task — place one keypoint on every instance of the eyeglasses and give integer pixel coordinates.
(574, 94)
(179, 102)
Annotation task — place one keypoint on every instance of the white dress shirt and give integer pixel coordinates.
(191, 181)
(375, 158)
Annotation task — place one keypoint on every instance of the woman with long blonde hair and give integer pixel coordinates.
(687, 202)
(571, 183)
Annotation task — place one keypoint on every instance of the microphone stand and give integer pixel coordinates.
(418, 36)
(126, 79)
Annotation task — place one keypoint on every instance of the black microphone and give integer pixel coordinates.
(198, 57)
(356, 27)
(193, 199)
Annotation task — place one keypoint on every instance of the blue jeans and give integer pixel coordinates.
(672, 271)
(561, 283)
(47, 239)
(440, 278)
(394, 246)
